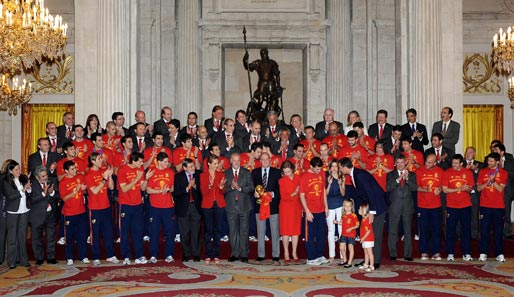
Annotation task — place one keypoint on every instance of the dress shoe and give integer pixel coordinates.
(51, 261)
(196, 259)
(12, 267)
(244, 260)
(408, 259)
(276, 259)
(232, 259)
(392, 258)
(510, 237)
(185, 259)
(27, 265)
(377, 266)
(259, 259)
(359, 264)
(39, 262)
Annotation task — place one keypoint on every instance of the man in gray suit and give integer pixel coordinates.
(448, 128)
(238, 196)
(400, 184)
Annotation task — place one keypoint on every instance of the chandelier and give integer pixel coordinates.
(511, 92)
(503, 50)
(28, 33)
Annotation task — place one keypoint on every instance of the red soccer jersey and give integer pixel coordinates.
(180, 153)
(153, 151)
(245, 159)
(276, 161)
(126, 175)
(386, 161)
(112, 143)
(301, 166)
(341, 141)
(99, 200)
(431, 178)
(309, 154)
(162, 178)
(74, 205)
(369, 141)
(106, 155)
(313, 186)
(325, 163)
(348, 221)
(490, 197)
(453, 179)
(121, 159)
(365, 227)
(81, 166)
(416, 156)
(82, 147)
(352, 152)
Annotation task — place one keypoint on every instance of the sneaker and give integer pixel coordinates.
(424, 257)
(62, 241)
(224, 238)
(85, 261)
(482, 258)
(118, 240)
(416, 237)
(370, 268)
(357, 238)
(323, 260)
(363, 266)
(169, 259)
(436, 257)
(403, 238)
(467, 258)
(69, 262)
(96, 262)
(266, 238)
(450, 258)
(146, 238)
(500, 258)
(126, 261)
(141, 260)
(89, 239)
(336, 238)
(177, 238)
(252, 239)
(153, 260)
(113, 260)
(315, 262)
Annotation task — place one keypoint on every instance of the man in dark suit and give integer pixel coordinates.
(119, 120)
(215, 123)
(162, 125)
(65, 131)
(367, 189)
(238, 196)
(393, 143)
(401, 184)
(252, 137)
(140, 137)
(191, 126)
(242, 124)
(56, 142)
(448, 128)
(416, 131)
(442, 153)
(42, 215)
(507, 163)
(267, 177)
(283, 147)
(226, 140)
(296, 127)
(322, 127)
(188, 201)
(381, 129)
(141, 118)
(46, 158)
(272, 128)
(475, 167)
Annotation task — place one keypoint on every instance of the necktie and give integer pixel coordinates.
(140, 143)
(191, 131)
(284, 154)
(68, 133)
(413, 128)
(444, 129)
(217, 125)
(395, 148)
(236, 179)
(54, 143)
(265, 178)
(167, 124)
(44, 160)
(438, 155)
(402, 182)
(469, 163)
(203, 145)
(189, 177)
(272, 130)
(228, 137)
(255, 139)
(380, 132)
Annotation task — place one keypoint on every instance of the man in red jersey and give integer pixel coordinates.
(365, 141)
(71, 155)
(251, 160)
(414, 157)
(458, 182)
(82, 144)
(151, 152)
(111, 140)
(380, 164)
(310, 144)
(123, 157)
(187, 150)
(301, 165)
(106, 154)
(335, 140)
(354, 151)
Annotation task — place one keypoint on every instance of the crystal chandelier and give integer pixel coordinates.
(28, 33)
(511, 92)
(503, 51)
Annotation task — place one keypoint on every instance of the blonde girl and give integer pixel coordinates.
(350, 223)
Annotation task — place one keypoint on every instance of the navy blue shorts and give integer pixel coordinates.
(347, 240)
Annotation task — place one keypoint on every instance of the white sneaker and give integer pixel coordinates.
(416, 237)
(62, 241)
(482, 258)
(85, 261)
(450, 258)
(169, 259)
(126, 261)
(153, 260)
(467, 258)
(113, 260)
(424, 257)
(323, 260)
(266, 238)
(96, 262)
(177, 238)
(141, 260)
(146, 238)
(315, 262)
(69, 262)
(357, 238)
(89, 239)
(500, 258)
(436, 257)
(118, 240)
(403, 238)
(252, 238)
(224, 238)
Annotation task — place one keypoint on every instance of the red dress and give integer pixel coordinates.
(290, 209)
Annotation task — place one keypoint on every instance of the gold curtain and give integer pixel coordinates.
(35, 117)
(482, 124)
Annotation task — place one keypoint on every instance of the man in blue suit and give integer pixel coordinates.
(367, 189)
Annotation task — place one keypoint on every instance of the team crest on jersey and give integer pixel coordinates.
(435, 175)
(93, 221)
(167, 175)
(122, 215)
(67, 223)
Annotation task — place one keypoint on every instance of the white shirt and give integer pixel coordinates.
(23, 200)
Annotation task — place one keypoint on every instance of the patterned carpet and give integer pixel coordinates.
(396, 278)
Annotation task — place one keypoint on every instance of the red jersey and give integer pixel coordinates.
(309, 154)
(121, 159)
(453, 179)
(82, 147)
(126, 175)
(162, 178)
(153, 151)
(301, 166)
(313, 186)
(112, 143)
(416, 156)
(386, 161)
(81, 166)
(341, 140)
(348, 221)
(74, 205)
(431, 178)
(325, 163)
(106, 155)
(276, 161)
(490, 196)
(369, 141)
(365, 227)
(245, 159)
(99, 200)
(352, 152)
(180, 153)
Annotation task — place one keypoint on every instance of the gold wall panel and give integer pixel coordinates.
(53, 77)
(479, 75)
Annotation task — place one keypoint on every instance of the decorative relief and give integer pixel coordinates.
(263, 5)
(479, 75)
(508, 5)
(53, 77)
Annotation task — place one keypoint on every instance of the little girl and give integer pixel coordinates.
(367, 238)
(349, 223)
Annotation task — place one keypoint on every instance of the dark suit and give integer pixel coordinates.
(298, 136)
(188, 213)
(445, 162)
(240, 131)
(389, 144)
(451, 137)
(272, 186)
(221, 140)
(266, 127)
(148, 137)
(475, 198)
(402, 207)
(367, 189)
(320, 130)
(209, 124)
(41, 218)
(373, 131)
(147, 140)
(3, 221)
(61, 133)
(275, 147)
(247, 141)
(35, 160)
(161, 127)
(508, 165)
(417, 143)
(239, 206)
(59, 142)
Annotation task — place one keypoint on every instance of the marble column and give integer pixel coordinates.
(188, 58)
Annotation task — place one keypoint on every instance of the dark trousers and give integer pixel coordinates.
(162, 217)
(378, 232)
(213, 220)
(190, 226)
(75, 230)
(491, 217)
(17, 239)
(507, 197)
(40, 221)
(453, 217)
(317, 236)
(238, 223)
(430, 229)
(146, 214)
(392, 240)
(101, 226)
(131, 225)
(3, 234)
(475, 198)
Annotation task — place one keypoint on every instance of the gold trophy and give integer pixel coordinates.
(260, 191)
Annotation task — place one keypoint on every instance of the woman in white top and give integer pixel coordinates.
(353, 117)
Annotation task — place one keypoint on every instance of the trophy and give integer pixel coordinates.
(260, 191)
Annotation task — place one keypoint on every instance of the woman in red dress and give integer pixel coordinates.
(290, 211)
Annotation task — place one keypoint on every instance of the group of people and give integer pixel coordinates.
(289, 182)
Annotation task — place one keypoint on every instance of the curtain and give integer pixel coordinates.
(35, 117)
(482, 124)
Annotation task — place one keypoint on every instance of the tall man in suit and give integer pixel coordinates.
(393, 143)
(416, 131)
(188, 201)
(55, 140)
(381, 129)
(400, 184)
(322, 127)
(44, 157)
(448, 128)
(226, 140)
(242, 125)
(215, 123)
(443, 154)
(141, 118)
(475, 166)
(118, 119)
(162, 125)
(367, 189)
(238, 196)
(65, 131)
(267, 177)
